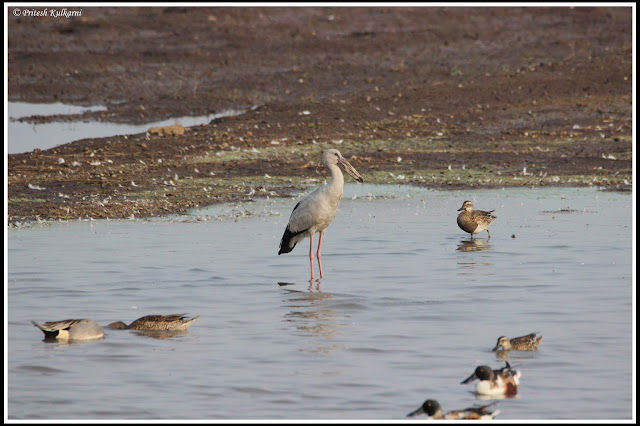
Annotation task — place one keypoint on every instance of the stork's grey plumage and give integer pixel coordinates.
(315, 212)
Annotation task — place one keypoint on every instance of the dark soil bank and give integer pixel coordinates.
(442, 97)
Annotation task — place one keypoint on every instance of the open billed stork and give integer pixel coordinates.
(315, 212)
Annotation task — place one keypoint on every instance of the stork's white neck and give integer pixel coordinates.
(337, 179)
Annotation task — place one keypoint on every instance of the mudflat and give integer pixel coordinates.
(443, 97)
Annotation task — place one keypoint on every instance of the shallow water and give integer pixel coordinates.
(27, 136)
(407, 309)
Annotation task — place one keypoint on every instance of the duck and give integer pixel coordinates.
(530, 342)
(474, 221)
(502, 382)
(174, 322)
(433, 411)
(71, 329)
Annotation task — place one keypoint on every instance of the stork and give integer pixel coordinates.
(315, 212)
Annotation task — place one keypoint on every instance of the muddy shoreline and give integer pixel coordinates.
(446, 98)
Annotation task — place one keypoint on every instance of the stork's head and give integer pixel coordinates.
(332, 157)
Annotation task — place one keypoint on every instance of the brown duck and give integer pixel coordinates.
(530, 342)
(173, 322)
(474, 221)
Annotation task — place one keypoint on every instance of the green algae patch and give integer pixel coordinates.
(18, 200)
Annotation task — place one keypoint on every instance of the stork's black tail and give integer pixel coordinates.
(286, 240)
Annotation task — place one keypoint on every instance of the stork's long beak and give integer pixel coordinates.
(349, 169)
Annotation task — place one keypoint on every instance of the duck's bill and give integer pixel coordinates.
(351, 170)
(469, 379)
(416, 413)
(496, 348)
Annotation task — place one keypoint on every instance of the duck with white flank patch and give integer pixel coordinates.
(502, 382)
(433, 411)
(72, 329)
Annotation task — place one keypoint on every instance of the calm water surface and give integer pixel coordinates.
(27, 136)
(407, 309)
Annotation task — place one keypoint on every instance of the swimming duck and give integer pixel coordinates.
(502, 382)
(72, 329)
(530, 342)
(474, 221)
(434, 412)
(173, 322)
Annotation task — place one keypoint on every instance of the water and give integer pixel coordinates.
(407, 309)
(25, 136)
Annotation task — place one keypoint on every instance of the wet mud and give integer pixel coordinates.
(439, 97)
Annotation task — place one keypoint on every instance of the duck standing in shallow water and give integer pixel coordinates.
(474, 221)
(503, 382)
(315, 212)
(175, 322)
(433, 411)
(530, 342)
(73, 329)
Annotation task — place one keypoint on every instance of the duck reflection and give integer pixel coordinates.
(488, 397)
(70, 342)
(518, 355)
(503, 355)
(160, 334)
(475, 244)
